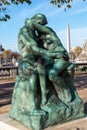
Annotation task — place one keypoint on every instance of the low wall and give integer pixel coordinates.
(8, 72)
(80, 67)
(11, 71)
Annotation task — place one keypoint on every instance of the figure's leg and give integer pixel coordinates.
(62, 90)
(69, 77)
(32, 91)
(42, 77)
(57, 68)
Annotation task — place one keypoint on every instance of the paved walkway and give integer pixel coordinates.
(6, 81)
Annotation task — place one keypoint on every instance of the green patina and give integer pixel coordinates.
(44, 93)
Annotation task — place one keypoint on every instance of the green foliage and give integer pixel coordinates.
(4, 3)
(5, 18)
(60, 3)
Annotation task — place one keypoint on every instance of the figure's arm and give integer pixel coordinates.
(43, 29)
(32, 46)
(35, 26)
(36, 50)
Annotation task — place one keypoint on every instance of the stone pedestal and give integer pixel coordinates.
(7, 123)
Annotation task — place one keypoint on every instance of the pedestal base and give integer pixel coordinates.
(39, 117)
(7, 123)
(54, 112)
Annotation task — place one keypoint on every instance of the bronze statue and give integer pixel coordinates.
(44, 93)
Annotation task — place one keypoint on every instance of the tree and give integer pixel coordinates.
(7, 54)
(16, 55)
(72, 56)
(60, 3)
(4, 3)
(77, 50)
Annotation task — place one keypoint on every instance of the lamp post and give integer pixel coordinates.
(1, 52)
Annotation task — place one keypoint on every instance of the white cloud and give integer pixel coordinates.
(79, 11)
(54, 12)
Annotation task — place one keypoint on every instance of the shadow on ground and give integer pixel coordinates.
(80, 81)
(6, 93)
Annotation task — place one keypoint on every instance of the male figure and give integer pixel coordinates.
(27, 44)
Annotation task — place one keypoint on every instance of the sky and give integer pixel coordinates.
(58, 20)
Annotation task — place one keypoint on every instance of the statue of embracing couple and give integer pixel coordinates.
(44, 90)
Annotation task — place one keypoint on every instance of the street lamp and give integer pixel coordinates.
(1, 52)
